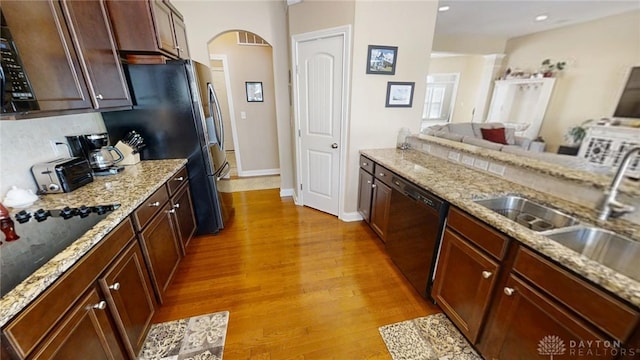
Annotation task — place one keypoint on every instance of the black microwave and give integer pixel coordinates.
(17, 93)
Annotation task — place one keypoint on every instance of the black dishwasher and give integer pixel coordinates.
(416, 222)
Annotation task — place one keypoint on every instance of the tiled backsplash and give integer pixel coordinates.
(26, 142)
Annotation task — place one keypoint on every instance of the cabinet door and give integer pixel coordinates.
(528, 325)
(161, 250)
(48, 54)
(463, 284)
(183, 215)
(132, 24)
(130, 297)
(380, 204)
(162, 15)
(180, 32)
(364, 194)
(85, 333)
(91, 32)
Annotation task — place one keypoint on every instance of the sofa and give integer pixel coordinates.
(493, 135)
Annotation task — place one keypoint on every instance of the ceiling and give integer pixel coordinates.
(512, 18)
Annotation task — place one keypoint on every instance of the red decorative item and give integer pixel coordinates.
(496, 135)
(6, 225)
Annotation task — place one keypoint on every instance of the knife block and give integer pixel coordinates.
(130, 158)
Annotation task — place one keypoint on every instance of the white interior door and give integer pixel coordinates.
(320, 80)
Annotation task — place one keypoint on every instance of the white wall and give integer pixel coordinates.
(599, 55)
(207, 19)
(26, 142)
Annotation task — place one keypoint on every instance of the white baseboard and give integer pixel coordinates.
(286, 192)
(263, 172)
(351, 216)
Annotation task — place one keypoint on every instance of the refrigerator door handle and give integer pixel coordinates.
(213, 100)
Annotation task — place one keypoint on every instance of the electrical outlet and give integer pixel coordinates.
(453, 155)
(496, 169)
(467, 160)
(481, 164)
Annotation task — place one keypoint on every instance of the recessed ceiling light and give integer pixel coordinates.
(444, 8)
(542, 17)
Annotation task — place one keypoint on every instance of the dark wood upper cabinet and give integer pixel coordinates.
(68, 52)
(49, 55)
(91, 31)
(148, 27)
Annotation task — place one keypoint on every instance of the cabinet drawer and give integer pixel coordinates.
(383, 174)
(150, 207)
(366, 164)
(32, 324)
(480, 234)
(177, 180)
(602, 309)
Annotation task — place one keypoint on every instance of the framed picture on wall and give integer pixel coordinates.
(382, 59)
(400, 94)
(254, 91)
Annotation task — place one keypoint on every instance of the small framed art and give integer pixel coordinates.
(382, 59)
(254, 91)
(399, 94)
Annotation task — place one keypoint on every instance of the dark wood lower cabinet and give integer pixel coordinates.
(466, 278)
(365, 192)
(85, 333)
(528, 325)
(184, 217)
(161, 249)
(380, 204)
(130, 297)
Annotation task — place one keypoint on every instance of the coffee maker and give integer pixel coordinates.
(96, 149)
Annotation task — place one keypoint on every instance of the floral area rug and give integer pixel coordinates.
(433, 337)
(195, 338)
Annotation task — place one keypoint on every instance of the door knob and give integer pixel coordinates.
(334, 145)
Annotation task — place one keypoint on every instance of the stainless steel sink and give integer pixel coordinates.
(528, 213)
(606, 247)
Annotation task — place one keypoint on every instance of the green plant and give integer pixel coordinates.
(576, 134)
(549, 66)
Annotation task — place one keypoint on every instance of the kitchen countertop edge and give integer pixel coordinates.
(150, 175)
(470, 185)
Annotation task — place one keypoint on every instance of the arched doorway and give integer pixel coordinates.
(241, 60)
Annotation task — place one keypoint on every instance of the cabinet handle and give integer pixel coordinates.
(172, 211)
(176, 206)
(181, 178)
(509, 291)
(115, 287)
(100, 306)
(155, 204)
(99, 97)
(486, 274)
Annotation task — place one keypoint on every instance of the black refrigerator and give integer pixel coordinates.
(175, 109)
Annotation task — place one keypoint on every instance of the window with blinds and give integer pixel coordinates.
(249, 38)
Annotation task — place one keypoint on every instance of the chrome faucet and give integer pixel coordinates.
(610, 207)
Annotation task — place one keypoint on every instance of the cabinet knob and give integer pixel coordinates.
(373, 186)
(181, 178)
(368, 181)
(100, 306)
(486, 274)
(154, 204)
(509, 291)
(99, 97)
(176, 206)
(172, 211)
(115, 287)
(381, 174)
(365, 164)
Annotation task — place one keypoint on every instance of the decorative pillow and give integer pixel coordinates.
(496, 135)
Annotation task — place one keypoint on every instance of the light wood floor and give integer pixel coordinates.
(298, 283)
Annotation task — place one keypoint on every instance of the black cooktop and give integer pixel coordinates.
(43, 234)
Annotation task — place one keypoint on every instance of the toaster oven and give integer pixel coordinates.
(62, 175)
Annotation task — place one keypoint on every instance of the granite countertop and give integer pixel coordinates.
(129, 188)
(460, 186)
